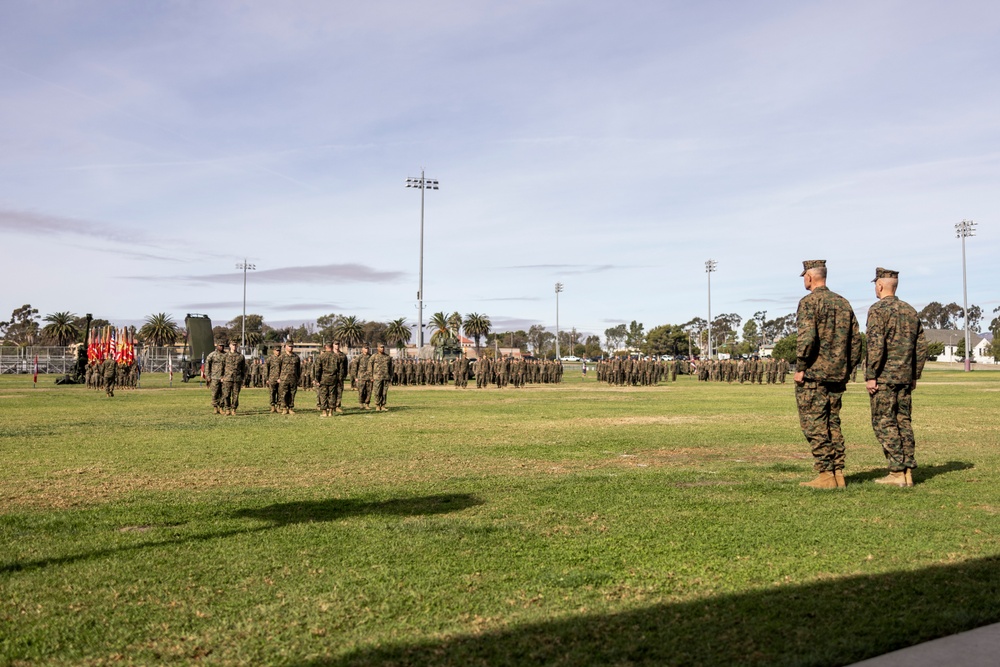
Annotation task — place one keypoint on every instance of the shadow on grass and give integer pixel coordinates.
(278, 515)
(920, 474)
(336, 508)
(832, 622)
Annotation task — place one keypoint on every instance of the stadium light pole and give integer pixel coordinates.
(423, 184)
(963, 230)
(709, 269)
(245, 267)
(559, 288)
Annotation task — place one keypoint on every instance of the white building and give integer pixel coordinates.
(952, 337)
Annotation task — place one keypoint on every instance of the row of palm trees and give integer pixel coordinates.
(65, 328)
(349, 331)
(160, 329)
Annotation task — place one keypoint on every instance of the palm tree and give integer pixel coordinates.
(442, 329)
(61, 328)
(348, 331)
(398, 333)
(159, 330)
(477, 326)
(455, 323)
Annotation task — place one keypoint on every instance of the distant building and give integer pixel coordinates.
(952, 337)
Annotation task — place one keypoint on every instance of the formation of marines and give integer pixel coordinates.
(109, 374)
(516, 372)
(638, 372)
(745, 371)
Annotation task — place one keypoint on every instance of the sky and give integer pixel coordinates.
(148, 148)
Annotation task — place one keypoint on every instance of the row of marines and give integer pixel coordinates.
(752, 371)
(109, 374)
(635, 372)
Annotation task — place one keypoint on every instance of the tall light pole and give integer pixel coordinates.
(709, 269)
(965, 229)
(245, 267)
(423, 184)
(559, 288)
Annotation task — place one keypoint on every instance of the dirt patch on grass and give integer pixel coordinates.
(644, 420)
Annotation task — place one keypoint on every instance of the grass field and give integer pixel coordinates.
(574, 525)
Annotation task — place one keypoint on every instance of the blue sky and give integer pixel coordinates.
(149, 147)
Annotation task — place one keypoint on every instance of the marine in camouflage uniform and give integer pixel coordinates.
(272, 376)
(897, 351)
(461, 372)
(233, 373)
(380, 369)
(215, 364)
(828, 347)
(109, 372)
(330, 370)
(363, 378)
(289, 370)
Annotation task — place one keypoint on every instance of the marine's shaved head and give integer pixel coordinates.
(887, 286)
(818, 272)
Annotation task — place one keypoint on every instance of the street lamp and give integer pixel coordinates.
(962, 230)
(423, 184)
(709, 269)
(243, 266)
(559, 288)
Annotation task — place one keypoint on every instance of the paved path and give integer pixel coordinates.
(975, 648)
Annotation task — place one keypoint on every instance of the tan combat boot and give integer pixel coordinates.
(825, 480)
(893, 479)
(909, 476)
(289, 411)
(839, 476)
(324, 413)
(274, 408)
(338, 410)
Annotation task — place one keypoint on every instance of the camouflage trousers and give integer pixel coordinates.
(286, 394)
(891, 409)
(819, 416)
(273, 389)
(364, 392)
(231, 394)
(380, 388)
(328, 396)
(215, 389)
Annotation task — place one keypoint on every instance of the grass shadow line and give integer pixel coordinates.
(831, 622)
(332, 509)
(278, 515)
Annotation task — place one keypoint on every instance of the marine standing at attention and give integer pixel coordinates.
(215, 363)
(339, 375)
(363, 379)
(289, 371)
(330, 369)
(233, 374)
(897, 351)
(828, 347)
(272, 377)
(380, 366)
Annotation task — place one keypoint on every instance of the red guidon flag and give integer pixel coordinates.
(35, 380)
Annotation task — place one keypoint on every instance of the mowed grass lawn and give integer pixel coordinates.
(575, 525)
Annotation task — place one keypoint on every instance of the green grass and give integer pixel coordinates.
(578, 524)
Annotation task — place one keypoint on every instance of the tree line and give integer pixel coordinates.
(25, 328)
